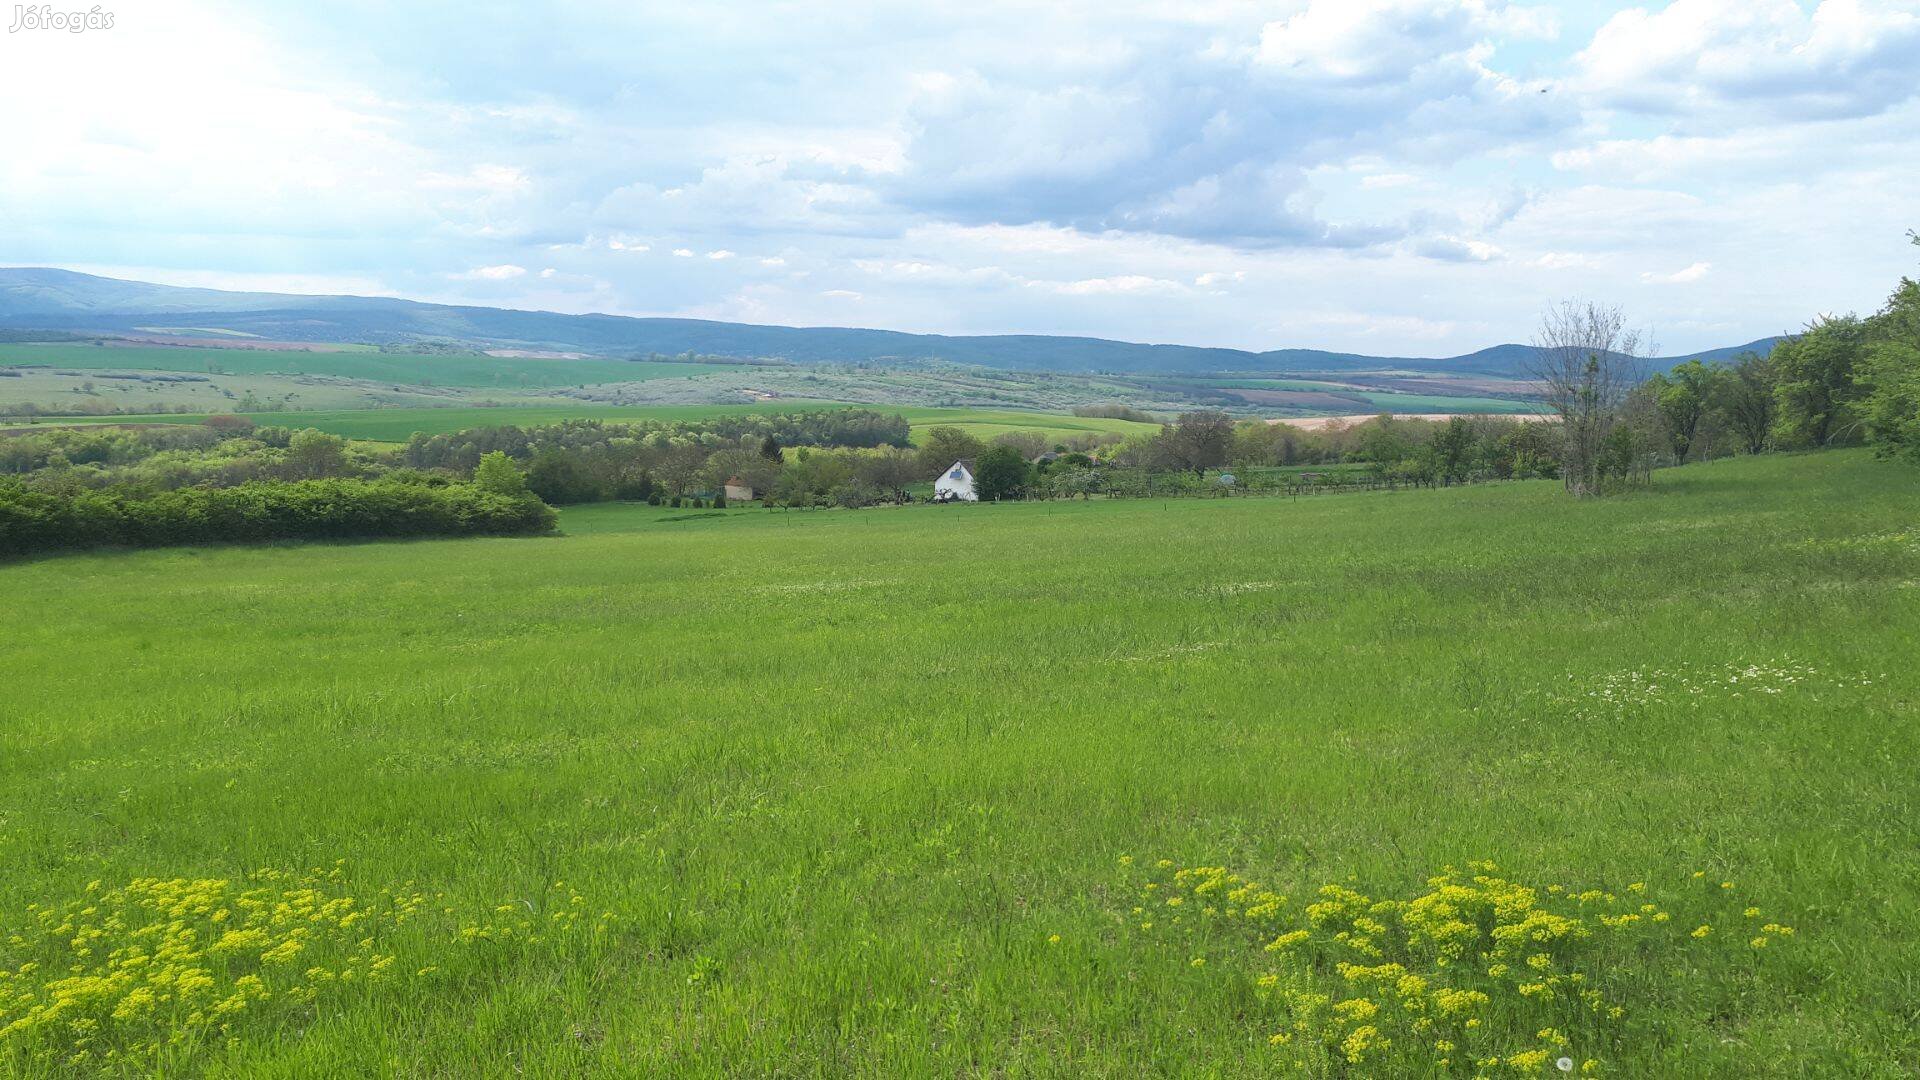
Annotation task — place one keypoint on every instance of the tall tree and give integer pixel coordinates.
(1683, 396)
(1891, 373)
(1586, 361)
(559, 477)
(1744, 398)
(1000, 473)
(1452, 450)
(942, 446)
(1198, 441)
(1814, 386)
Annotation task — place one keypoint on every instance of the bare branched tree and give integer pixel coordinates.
(1587, 361)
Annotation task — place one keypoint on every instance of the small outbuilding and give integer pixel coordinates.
(738, 490)
(955, 485)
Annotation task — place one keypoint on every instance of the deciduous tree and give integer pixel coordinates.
(1586, 361)
(497, 473)
(1000, 473)
(1814, 388)
(943, 446)
(1745, 401)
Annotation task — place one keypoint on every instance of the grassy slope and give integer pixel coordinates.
(842, 774)
(487, 372)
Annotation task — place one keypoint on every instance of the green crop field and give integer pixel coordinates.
(887, 793)
(482, 372)
(986, 423)
(395, 425)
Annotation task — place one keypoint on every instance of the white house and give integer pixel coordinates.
(738, 490)
(955, 485)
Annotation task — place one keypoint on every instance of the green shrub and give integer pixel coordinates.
(32, 521)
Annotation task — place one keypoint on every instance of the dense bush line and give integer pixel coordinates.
(32, 521)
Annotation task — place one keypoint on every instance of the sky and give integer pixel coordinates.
(1402, 177)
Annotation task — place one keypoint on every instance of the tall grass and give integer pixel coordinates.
(840, 780)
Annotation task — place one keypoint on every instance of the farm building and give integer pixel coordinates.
(955, 485)
(738, 490)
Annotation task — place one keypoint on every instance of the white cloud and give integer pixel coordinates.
(720, 254)
(1374, 40)
(1679, 277)
(503, 272)
(1121, 283)
(1455, 249)
(1566, 260)
(1388, 180)
(1386, 174)
(487, 179)
(1772, 57)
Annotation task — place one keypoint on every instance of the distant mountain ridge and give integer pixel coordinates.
(42, 298)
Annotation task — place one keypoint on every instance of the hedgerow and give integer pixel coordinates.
(32, 521)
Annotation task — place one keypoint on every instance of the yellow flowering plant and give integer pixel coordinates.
(1476, 974)
(147, 975)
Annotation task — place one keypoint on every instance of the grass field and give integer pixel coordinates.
(484, 372)
(986, 423)
(396, 425)
(852, 793)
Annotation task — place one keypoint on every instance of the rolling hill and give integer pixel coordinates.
(40, 298)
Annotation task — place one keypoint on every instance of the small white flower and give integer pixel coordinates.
(1565, 1064)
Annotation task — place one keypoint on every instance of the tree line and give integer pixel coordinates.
(36, 521)
(1841, 381)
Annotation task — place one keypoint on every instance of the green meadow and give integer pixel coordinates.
(886, 793)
